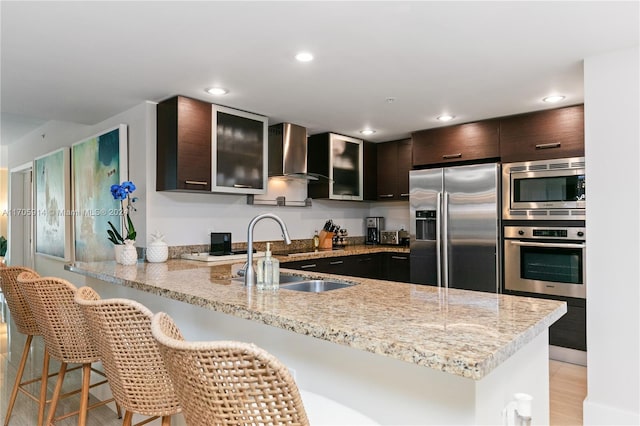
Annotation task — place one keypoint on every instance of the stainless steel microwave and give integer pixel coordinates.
(546, 189)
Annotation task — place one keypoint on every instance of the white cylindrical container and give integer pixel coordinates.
(157, 250)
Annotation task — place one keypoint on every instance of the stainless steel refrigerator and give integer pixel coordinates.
(455, 227)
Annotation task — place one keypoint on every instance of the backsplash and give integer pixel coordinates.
(276, 246)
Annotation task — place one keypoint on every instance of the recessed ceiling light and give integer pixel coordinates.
(217, 91)
(304, 57)
(446, 117)
(553, 99)
(367, 132)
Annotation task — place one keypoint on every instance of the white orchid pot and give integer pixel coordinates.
(128, 254)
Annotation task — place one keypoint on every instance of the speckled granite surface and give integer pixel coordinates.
(459, 332)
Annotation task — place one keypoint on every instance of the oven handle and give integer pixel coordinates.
(553, 245)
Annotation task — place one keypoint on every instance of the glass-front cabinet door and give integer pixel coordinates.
(239, 151)
(345, 170)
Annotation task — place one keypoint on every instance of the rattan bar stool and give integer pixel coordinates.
(227, 383)
(66, 337)
(121, 331)
(26, 324)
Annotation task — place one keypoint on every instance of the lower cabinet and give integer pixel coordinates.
(570, 331)
(397, 267)
(381, 266)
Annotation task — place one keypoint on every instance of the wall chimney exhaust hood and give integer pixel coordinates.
(288, 152)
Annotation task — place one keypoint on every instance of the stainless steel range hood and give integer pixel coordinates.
(288, 152)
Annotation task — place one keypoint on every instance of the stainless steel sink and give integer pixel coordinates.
(315, 286)
(285, 279)
(299, 283)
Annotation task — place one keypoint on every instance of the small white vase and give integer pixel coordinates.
(117, 251)
(128, 255)
(157, 250)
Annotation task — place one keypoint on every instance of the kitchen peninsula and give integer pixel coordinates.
(399, 353)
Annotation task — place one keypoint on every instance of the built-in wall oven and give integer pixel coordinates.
(545, 260)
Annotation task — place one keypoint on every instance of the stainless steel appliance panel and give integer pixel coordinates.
(455, 227)
(425, 188)
(544, 190)
(545, 260)
(471, 203)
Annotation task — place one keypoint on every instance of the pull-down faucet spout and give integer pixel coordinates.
(249, 273)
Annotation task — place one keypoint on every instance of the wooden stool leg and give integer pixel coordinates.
(43, 387)
(128, 415)
(166, 420)
(16, 386)
(56, 393)
(84, 394)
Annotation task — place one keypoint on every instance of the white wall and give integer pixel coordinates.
(613, 259)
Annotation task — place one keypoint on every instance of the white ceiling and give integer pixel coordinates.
(86, 61)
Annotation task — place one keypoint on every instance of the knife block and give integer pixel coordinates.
(326, 240)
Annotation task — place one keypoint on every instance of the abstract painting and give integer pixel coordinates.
(98, 163)
(53, 225)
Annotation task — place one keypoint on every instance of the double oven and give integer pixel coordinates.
(544, 226)
(545, 240)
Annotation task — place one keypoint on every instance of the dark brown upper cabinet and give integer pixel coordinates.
(240, 145)
(463, 142)
(541, 135)
(341, 159)
(394, 163)
(183, 145)
(203, 147)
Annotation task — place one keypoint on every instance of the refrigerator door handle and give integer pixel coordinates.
(445, 240)
(438, 238)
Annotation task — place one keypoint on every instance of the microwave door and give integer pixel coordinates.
(425, 195)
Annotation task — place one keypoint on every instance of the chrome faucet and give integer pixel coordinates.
(249, 273)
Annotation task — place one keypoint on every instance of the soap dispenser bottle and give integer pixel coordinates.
(275, 272)
(267, 269)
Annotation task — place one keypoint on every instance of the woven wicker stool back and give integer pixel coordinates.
(227, 383)
(65, 332)
(18, 307)
(121, 331)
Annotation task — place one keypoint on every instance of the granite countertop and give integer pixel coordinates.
(461, 332)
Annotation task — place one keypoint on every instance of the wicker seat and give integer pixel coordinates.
(227, 383)
(26, 324)
(121, 331)
(66, 336)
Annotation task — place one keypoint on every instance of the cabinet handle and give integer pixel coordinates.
(312, 265)
(237, 185)
(399, 257)
(196, 182)
(548, 145)
(406, 194)
(450, 156)
(385, 195)
(336, 262)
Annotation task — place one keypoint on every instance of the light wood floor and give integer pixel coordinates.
(568, 387)
(567, 391)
